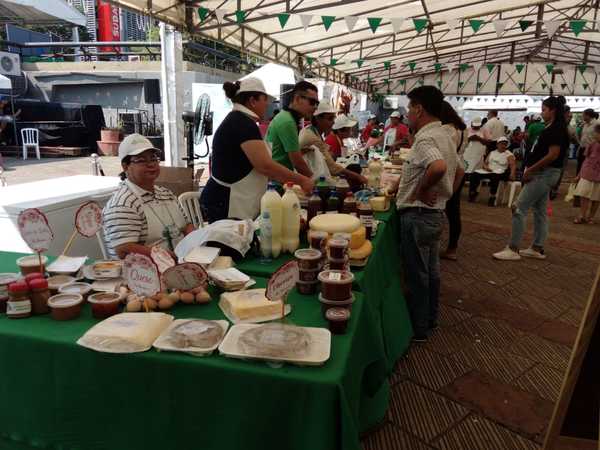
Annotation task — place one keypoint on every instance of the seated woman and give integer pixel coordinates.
(498, 166)
(140, 214)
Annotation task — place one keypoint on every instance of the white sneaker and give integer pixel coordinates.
(531, 253)
(508, 254)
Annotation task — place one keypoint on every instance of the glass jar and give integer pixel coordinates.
(19, 304)
(40, 293)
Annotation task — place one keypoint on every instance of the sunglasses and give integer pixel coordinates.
(312, 101)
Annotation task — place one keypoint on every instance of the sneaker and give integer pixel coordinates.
(492, 201)
(531, 253)
(419, 339)
(508, 254)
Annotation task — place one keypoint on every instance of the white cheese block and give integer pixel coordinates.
(335, 223)
(249, 304)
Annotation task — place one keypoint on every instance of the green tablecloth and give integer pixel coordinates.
(379, 281)
(58, 395)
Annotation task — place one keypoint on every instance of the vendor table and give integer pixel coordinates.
(58, 395)
(379, 281)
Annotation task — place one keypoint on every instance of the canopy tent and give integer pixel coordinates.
(39, 12)
(376, 44)
(273, 76)
(5, 82)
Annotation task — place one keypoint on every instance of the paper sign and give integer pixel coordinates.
(35, 230)
(88, 219)
(162, 258)
(282, 281)
(186, 276)
(141, 274)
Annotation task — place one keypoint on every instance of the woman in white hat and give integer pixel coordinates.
(341, 129)
(241, 162)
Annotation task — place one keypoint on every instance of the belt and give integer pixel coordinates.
(420, 210)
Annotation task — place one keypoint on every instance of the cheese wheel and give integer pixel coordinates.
(363, 252)
(358, 238)
(335, 223)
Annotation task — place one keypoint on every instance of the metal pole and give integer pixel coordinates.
(12, 105)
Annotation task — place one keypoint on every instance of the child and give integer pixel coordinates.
(588, 181)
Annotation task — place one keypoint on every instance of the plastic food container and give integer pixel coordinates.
(337, 248)
(57, 281)
(338, 264)
(346, 236)
(82, 289)
(5, 280)
(328, 304)
(107, 269)
(309, 275)
(338, 320)
(307, 287)
(33, 276)
(318, 239)
(39, 295)
(30, 264)
(65, 306)
(104, 304)
(336, 284)
(308, 258)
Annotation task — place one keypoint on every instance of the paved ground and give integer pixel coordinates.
(490, 376)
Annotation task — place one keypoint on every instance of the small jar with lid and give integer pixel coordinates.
(40, 293)
(19, 304)
(5, 280)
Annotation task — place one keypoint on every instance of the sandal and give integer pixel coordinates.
(580, 221)
(590, 221)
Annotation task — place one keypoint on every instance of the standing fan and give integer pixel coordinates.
(198, 126)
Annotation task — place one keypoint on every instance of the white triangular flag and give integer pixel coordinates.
(220, 13)
(500, 26)
(476, 67)
(397, 23)
(350, 22)
(551, 26)
(451, 67)
(452, 23)
(305, 19)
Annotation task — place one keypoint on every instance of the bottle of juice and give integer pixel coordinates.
(323, 188)
(365, 214)
(271, 202)
(342, 187)
(333, 202)
(290, 239)
(266, 235)
(349, 205)
(315, 205)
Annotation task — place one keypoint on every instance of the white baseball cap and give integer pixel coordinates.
(325, 108)
(135, 144)
(476, 122)
(502, 139)
(396, 114)
(252, 84)
(343, 121)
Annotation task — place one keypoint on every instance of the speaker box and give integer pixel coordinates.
(285, 94)
(152, 91)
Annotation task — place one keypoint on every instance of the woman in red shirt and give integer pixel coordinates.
(340, 131)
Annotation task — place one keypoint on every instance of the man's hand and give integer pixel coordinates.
(527, 176)
(307, 185)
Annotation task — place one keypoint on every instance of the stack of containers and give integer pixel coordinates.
(337, 254)
(336, 290)
(309, 264)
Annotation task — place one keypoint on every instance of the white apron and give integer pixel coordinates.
(245, 195)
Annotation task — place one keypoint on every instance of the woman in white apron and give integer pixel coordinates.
(241, 162)
(140, 214)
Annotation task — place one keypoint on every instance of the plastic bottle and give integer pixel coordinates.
(342, 187)
(323, 188)
(271, 202)
(290, 238)
(349, 204)
(375, 169)
(266, 234)
(333, 202)
(315, 205)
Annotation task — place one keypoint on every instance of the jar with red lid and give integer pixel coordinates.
(5, 280)
(19, 304)
(33, 276)
(40, 293)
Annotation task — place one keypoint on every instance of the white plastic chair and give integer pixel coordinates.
(30, 138)
(190, 203)
(502, 191)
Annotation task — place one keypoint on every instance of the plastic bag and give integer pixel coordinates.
(317, 164)
(571, 192)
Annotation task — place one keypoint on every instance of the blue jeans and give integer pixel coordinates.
(534, 195)
(420, 233)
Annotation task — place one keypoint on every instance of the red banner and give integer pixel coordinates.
(109, 24)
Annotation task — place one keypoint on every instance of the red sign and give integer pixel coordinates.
(282, 281)
(186, 276)
(162, 258)
(88, 219)
(35, 230)
(108, 24)
(141, 274)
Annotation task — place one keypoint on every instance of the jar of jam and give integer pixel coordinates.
(5, 280)
(349, 204)
(318, 239)
(315, 205)
(336, 284)
(40, 293)
(338, 320)
(19, 304)
(365, 214)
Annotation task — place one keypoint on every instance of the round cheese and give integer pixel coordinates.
(363, 252)
(358, 238)
(335, 223)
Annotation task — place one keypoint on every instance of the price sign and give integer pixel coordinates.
(282, 281)
(141, 274)
(88, 219)
(35, 230)
(162, 258)
(186, 276)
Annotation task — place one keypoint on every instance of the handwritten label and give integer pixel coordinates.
(141, 274)
(185, 276)
(35, 230)
(88, 219)
(162, 258)
(334, 276)
(282, 281)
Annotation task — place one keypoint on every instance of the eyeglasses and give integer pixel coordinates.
(312, 101)
(148, 161)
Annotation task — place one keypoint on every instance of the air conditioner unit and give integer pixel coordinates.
(10, 64)
(134, 58)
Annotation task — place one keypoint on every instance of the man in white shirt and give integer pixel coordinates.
(494, 126)
(430, 175)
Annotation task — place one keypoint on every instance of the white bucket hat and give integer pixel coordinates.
(343, 121)
(134, 144)
(252, 84)
(476, 122)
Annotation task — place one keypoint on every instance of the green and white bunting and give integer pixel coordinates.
(524, 24)
(420, 24)
(519, 67)
(476, 24)
(283, 19)
(240, 16)
(203, 13)
(412, 65)
(327, 21)
(549, 68)
(577, 26)
(374, 23)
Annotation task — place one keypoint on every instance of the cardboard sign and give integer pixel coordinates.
(186, 276)
(35, 230)
(282, 281)
(162, 258)
(141, 274)
(88, 219)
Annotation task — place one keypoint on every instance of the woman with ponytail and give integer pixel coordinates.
(543, 164)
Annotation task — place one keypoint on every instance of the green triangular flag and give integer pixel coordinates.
(476, 24)
(333, 62)
(310, 60)
(203, 13)
(412, 65)
(577, 26)
(374, 23)
(387, 64)
(563, 85)
(420, 24)
(524, 24)
(439, 83)
(582, 68)
(283, 19)
(421, 82)
(549, 68)
(463, 67)
(520, 67)
(479, 84)
(240, 16)
(585, 85)
(327, 21)
(499, 85)
(387, 81)
(460, 84)
(438, 67)
(544, 85)
(490, 67)
(402, 81)
(359, 62)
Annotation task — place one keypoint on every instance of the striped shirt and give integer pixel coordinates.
(124, 219)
